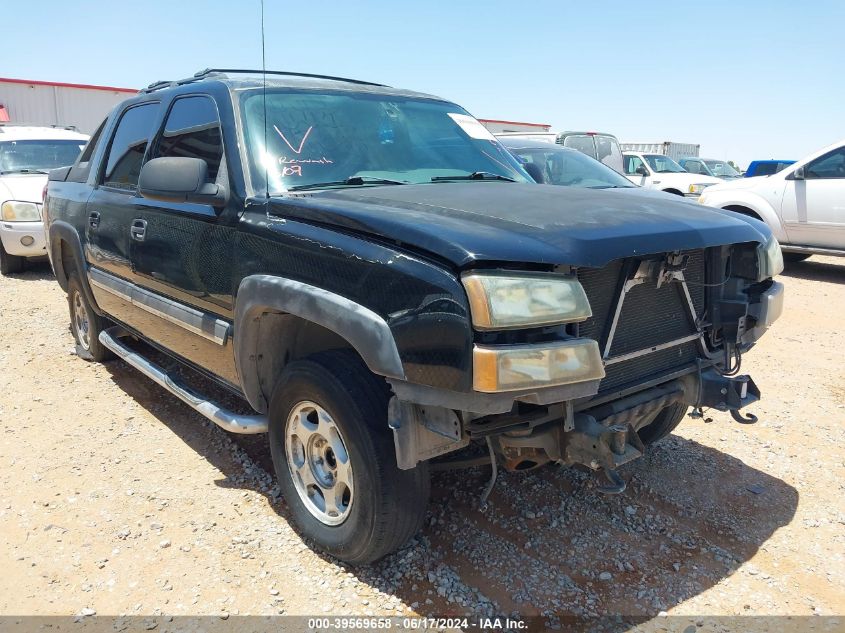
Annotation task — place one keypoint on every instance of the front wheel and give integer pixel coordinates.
(10, 264)
(335, 462)
(665, 422)
(794, 258)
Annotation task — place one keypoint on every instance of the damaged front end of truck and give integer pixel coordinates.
(646, 338)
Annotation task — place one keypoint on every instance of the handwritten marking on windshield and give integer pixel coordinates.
(301, 143)
(284, 160)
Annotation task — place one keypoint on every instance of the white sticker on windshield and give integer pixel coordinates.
(472, 126)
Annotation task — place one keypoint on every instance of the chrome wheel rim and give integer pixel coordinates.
(80, 321)
(319, 463)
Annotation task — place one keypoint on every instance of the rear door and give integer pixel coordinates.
(111, 207)
(814, 208)
(181, 253)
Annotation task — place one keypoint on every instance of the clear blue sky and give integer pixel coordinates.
(745, 79)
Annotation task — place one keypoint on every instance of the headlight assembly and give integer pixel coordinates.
(503, 300)
(510, 368)
(769, 259)
(697, 189)
(17, 211)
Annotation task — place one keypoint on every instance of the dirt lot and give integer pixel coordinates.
(116, 498)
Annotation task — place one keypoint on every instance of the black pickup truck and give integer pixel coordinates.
(382, 284)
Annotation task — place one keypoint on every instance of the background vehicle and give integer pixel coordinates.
(656, 171)
(803, 204)
(671, 149)
(26, 153)
(766, 167)
(710, 167)
(378, 279)
(554, 164)
(598, 145)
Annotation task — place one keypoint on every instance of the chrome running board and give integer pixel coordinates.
(225, 419)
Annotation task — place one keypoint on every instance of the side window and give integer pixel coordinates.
(193, 130)
(583, 144)
(693, 167)
(632, 163)
(80, 170)
(830, 165)
(128, 146)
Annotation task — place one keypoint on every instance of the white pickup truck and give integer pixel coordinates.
(26, 154)
(659, 172)
(803, 204)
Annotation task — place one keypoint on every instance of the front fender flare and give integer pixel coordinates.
(363, 329)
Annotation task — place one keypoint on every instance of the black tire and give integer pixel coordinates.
(85, 324)
(665, 422)
(389, 504)
(10, 264)
(794, 258)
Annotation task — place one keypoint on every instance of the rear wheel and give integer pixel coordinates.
(10, 264)
(335, 461)
(86, 324)
(665, 422)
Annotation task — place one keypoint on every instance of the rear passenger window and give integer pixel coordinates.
(193, 131)
(80, 170)
(128, 146)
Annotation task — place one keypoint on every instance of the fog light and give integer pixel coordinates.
(27, 240)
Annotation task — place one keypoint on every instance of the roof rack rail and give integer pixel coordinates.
(246, 71)
(24, 124)
(224, 72)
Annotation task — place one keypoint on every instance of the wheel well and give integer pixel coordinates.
(743, 210)
(284, 338)
(66, 258)
(675, 191)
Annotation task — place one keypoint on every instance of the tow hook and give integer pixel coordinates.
(748, 418)
(728, 393)
(603, 448)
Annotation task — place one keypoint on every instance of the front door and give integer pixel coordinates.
(181, 253)
(813, 209)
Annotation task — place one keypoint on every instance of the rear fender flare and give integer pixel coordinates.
(365, 331)
(59, 232)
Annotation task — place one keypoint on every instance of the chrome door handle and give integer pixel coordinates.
(94, 219)
(138, 230)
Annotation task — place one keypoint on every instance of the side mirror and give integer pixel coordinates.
(798, 174)
(180, 179)
(642, 171)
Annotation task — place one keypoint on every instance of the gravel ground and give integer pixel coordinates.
(117, 499)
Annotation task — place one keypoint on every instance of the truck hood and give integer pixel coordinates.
(23, 187)
(503, 222)
(739, 183)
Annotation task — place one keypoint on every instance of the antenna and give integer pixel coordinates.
(264, 105)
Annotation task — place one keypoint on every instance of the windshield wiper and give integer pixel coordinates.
(22, 171)
(612, 187)
(476, 175)
(351, 181)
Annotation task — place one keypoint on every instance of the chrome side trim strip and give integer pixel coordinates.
(193, 320)
(225, 419)
(655, 348)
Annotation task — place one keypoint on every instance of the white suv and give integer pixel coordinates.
(656, 171)
(803, 204)
(26, 154)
